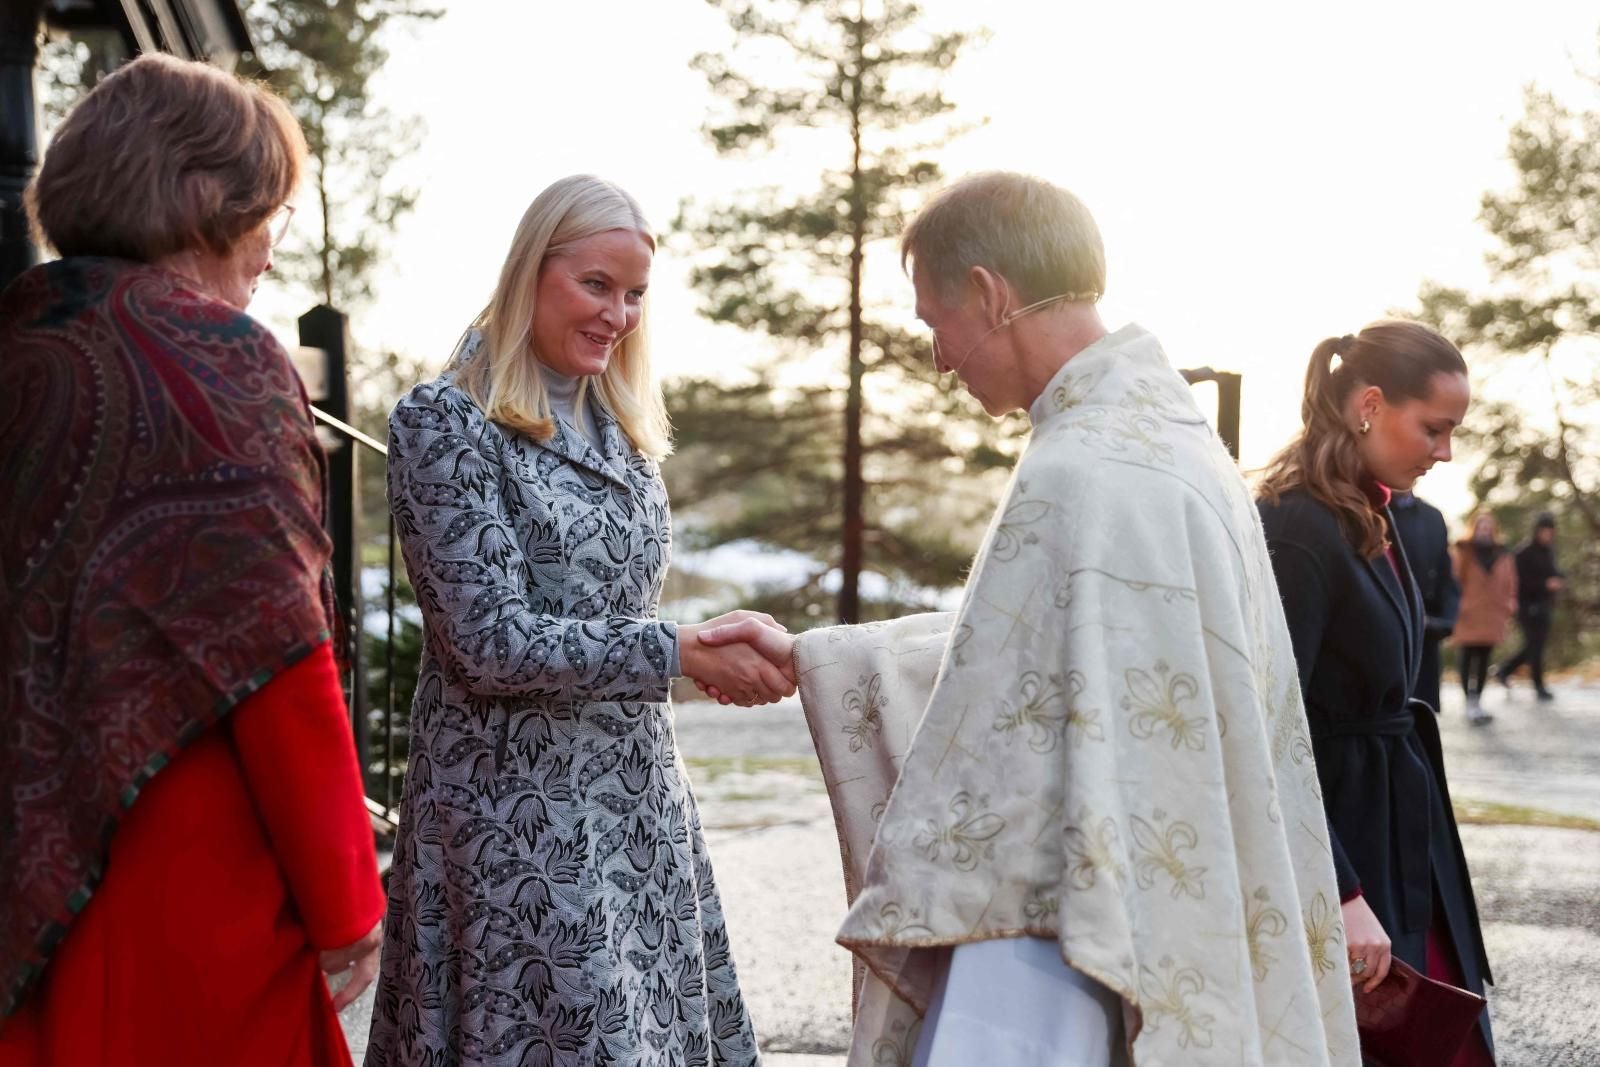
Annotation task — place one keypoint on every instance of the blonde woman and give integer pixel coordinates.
(551, 897)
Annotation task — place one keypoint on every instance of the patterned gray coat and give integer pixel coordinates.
(551, 899)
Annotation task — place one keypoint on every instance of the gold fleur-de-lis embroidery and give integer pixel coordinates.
(1146, 396)
(1082, 723)
(968, 833)
(1092, 851)
(1039, 908)
(896, 920)
(1154, 699)
(1324, 933)
(1167, 995)
(1159, 852)
(1125, 431)
(895, 1048)
(1012, 532)
(866, 704)
(1262, 921)
(1039, 709)
(1072, 392)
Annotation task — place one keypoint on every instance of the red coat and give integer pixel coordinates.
(1488, 598)
(239, 861)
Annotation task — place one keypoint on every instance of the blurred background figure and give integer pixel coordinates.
(1422, 532)
(1539, 583)
(1488, 578)
(185, 848)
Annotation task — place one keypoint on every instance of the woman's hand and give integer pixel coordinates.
(1364, 937)
(746, 660)
(359, 959)
(772, 641)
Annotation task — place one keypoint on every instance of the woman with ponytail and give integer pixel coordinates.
(1378, 411)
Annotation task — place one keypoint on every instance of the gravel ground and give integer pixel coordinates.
(777, 863)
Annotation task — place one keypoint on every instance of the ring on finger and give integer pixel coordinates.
(1358, 966)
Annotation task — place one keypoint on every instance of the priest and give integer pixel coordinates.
(1104, 842)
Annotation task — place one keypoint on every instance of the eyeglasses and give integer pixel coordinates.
(1006, 320)
(278, 224)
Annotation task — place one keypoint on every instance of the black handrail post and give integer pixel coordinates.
(1227, 402)
(19, 147)
(323, 327)
(1228, 410)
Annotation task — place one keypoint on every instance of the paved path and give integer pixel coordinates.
(777, 861)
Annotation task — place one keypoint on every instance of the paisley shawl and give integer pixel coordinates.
(162, 556)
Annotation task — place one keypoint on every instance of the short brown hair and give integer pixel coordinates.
(165, 155)
(1037, 236)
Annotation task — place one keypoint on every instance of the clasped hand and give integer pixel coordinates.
(743, 657)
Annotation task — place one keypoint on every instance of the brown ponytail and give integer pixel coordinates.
(1401, 359)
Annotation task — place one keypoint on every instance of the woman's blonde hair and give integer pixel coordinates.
(1400, 358)
(166, 155)
(502, 376)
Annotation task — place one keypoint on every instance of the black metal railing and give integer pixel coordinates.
(379, 767)
(321, 358)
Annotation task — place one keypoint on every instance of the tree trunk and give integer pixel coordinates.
(854, 524)
(325, 251)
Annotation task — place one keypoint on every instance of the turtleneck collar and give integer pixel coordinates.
(563, 393)
(562, 387)
(1377, 493)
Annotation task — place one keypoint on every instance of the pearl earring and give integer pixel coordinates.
(1365, 427)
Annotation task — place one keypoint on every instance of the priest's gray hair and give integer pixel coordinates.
(1036, 235)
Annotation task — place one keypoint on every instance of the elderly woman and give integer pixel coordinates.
(184, 850)
(552, 898)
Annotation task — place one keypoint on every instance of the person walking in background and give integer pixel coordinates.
(1378, 411)
(184, 850)
(1488, 579)
(1539, 583)
(1421, 529)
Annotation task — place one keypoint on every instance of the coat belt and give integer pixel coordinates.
(1397, 725)
(1409, 816)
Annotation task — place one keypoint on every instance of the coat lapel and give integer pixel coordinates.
(571, 446)
(1404, 598)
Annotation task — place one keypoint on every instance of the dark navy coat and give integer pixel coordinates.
(1357, 629)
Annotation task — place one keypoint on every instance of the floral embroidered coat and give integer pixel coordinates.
(551, 899)
(1114, 754)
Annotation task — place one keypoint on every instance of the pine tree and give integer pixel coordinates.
(879, 468)
(321, 56)
(1535, 338)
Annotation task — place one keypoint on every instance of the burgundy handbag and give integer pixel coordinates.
(1413, 1021)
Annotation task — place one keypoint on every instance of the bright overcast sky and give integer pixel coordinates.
(1264, 174)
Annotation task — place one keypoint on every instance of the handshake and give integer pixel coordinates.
(743, 657)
